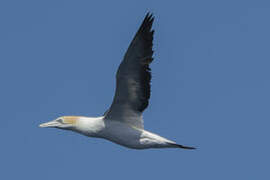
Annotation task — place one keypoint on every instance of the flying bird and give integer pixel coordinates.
(122, 123)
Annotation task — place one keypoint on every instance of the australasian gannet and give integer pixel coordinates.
(122, 123)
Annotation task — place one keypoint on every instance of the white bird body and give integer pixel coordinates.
(120, 133)
(122, 123)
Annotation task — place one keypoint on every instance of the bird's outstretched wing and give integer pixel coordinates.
(133, 78)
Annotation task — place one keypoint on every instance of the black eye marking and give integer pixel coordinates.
(60, 120)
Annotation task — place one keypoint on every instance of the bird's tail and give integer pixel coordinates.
(181, 146)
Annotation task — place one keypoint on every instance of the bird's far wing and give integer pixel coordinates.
(133, 78)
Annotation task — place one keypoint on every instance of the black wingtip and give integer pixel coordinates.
(149, 17)
(149, 13)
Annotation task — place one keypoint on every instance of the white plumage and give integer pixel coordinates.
(122, 123)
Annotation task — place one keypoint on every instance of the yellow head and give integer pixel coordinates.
(64, 122)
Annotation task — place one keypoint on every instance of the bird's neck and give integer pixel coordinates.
(90, 126)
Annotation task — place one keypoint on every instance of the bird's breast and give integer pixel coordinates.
(90, 126)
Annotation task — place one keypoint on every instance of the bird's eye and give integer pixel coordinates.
(60, 120)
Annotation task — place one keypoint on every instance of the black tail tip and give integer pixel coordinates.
(183, 147)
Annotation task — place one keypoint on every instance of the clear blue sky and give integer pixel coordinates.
(210, 88)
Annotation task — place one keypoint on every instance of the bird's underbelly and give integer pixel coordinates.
(123, 135)
(132, 137)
